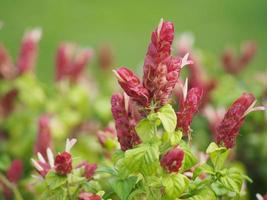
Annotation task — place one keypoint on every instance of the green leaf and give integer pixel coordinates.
(123, 187)
(54, 181)
(168, 118)
(175, 185)
(143, 159)
(145, 130)
(232, 180)
(218, 155)
(205, 168)
(204, 194)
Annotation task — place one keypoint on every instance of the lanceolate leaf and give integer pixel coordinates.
(204, 194)
(218, 155)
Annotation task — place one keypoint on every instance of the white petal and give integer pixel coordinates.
(40, 157)
(36, 165)
(185, 88)
(159, 26)
(259, 197)
(50, 157)
(185, 60)
(69, 144)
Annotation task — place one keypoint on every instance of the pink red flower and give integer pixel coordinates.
(71, 61)
(172, 160)
(43, 140)
(88, 196)
(132, 86)
(28, 52)
(124, 122)
(62, 164)
(235, 65)
(229, 127)
(188, 107)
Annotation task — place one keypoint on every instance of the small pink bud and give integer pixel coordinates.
(89, 169)
(63, 163)
(71, 61)
(106, 135)
(88, 196)
(28, 52)
(229, 127)
(15, 171)
(172, 160)
(188, 108)
(7, 70)
(132, 85)
(43, 140)
(7, 102)
(235, 64)
(105, 57)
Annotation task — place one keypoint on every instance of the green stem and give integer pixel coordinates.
(11, 186)
(68, 190)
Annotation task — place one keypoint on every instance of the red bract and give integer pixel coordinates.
(125, 124)
(88, 196)
(71, 61)
(7, 102)
(15, 171)
(172, 160)
(132, 85)
(188, 107)
(235, 65)
(229, 127)
(158, 50)
(28, 52)
(63, 163)
(43, 140)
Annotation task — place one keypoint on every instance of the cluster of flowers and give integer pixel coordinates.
(160, 78)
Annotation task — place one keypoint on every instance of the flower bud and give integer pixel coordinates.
(7, 70)
(229, 127)
(89, 169)
(7, 102)
(172, 160)
(28, 52)
(71, 61)
(15, 171)
(125, 126)
(63, 163)
(159, 49)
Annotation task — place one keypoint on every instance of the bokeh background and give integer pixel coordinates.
(126, 25)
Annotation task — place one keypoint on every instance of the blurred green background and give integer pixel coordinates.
(127, 25)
